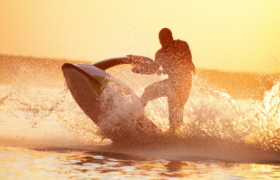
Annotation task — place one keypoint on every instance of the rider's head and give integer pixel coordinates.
(165, 37)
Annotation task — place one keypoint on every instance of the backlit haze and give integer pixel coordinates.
(227, 35)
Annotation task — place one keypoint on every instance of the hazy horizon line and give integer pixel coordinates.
(90, 61)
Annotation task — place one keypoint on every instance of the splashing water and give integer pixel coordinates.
(38, 112)
(209, 113)
(265, 122)
(212, 113)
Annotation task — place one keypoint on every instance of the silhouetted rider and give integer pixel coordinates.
(176, 61)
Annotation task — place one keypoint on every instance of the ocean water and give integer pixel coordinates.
(45, 135)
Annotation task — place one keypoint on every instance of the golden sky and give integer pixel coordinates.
(234, 35)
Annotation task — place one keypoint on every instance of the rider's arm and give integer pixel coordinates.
(156, 64)
(147, 67)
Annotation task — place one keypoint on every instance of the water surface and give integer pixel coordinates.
(45, 135)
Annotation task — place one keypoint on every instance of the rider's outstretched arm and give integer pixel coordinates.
(146, 66)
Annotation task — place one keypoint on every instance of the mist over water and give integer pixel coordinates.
(33, 115)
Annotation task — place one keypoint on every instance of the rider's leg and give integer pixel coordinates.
(153, 91)
(177, 98)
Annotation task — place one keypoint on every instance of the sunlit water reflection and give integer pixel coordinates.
(21, 163)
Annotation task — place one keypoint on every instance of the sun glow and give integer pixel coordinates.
(225, 35)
